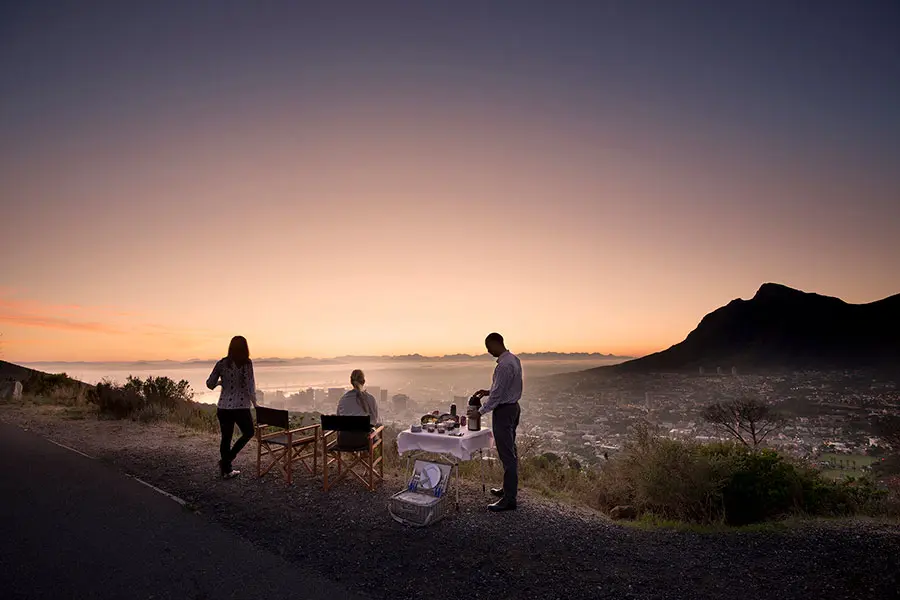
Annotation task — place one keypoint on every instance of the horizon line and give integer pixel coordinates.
(331, 358)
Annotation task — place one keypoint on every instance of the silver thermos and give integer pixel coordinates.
(474, 423)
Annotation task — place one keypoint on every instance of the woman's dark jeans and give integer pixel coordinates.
(228, 418)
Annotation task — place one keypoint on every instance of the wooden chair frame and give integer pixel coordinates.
(298, 446)
(373, 468)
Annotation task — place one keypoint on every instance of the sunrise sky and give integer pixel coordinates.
(391, 178)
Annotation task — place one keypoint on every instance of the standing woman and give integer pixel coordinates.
(235, 374)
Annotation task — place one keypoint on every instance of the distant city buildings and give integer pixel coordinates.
(588, 420)
(302, 400)
(400, 402)
(375, 391)
(334, 396)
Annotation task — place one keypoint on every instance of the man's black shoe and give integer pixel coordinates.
(501, 505)
(497, 492)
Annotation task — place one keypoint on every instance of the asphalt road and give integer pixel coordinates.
(73, 527)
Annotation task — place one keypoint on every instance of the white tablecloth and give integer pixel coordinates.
(441, 443)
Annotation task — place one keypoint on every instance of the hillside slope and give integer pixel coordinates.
(781, 327)
(9, 370)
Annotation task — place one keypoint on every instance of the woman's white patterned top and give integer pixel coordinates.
(238, 384)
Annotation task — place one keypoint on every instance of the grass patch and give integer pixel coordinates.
(78, 413)
(651, 522)
(840, 466)
(848, 461)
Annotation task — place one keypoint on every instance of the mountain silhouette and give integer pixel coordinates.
(781, 327)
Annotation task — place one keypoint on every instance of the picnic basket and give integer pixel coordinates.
(424, 501)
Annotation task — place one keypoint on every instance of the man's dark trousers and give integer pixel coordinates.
(504, 424)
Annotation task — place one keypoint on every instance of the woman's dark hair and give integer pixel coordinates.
(238, 351)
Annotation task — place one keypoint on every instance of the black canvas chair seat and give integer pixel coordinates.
(352, 441)
(344, 448)
(347, 423)
(282, 440)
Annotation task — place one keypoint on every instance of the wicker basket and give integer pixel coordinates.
(420, 506)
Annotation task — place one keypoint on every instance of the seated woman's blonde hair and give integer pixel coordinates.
(357, 379)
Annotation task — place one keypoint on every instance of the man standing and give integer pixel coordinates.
(503, 400)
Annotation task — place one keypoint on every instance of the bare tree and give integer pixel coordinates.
(747, 420)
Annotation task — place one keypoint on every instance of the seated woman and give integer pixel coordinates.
(357, 402)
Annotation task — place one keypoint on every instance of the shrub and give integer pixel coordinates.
(41, 384)
(670, 479)
(678, 481)
(58, 387)
(839, 498)
(727, 483)
(162, 391)
(761, 485)
(118, 402)
(889, 504)
(148, 399)
(195, 415)
(391, 454)
(150, 413)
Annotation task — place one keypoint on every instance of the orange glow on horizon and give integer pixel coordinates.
(409, 230)
(34, 332)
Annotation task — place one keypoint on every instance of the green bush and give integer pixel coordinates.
(58, 387)
(889, 503)
(726, 483)
(151, 413)
(195, 415)
(118, 402)
(762, 485)
(664, 477)
(147, 400)
(677, 481)
(162, 391)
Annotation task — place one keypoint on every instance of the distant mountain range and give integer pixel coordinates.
(548, 356)
(781, 327)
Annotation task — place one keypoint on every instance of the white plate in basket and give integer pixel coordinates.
(430, 476)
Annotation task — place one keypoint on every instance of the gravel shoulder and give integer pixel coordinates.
(542, 550)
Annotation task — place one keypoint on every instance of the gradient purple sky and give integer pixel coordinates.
(382, 177)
